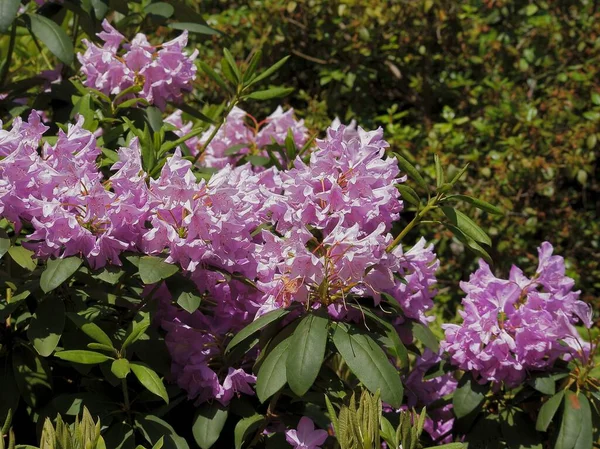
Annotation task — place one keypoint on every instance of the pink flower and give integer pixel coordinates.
(306, 437)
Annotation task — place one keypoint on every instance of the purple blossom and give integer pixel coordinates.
(517, 325)
(306, 437)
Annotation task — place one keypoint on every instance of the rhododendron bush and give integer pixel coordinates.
(195, 276)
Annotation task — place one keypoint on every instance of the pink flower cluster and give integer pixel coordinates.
(520, 324)
(237, 135)
(162, 72)
(316, 233)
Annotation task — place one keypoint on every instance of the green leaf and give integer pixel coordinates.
(215, 76)
(267, 73)
(4, 241)
(244, 427)
(23, 257)
(154, 117)
(232, 64)
(161, 9)
(306, 352)
(155, 429)
(53, 36)
(9, 393)
(585, 440)
(189, 301)
(154, 269)
(518, 431)
(409, 194)
(120, 368)
(439, 172)
(275, 92)
(411, 171)
(137, 330)
(32, 376)
(149, 379)
(369, 363)
(47, 325)
(570, 423)
(471, 244)
(90, 329)
(272, 374)
(208, 424)
(424, 335)
(469, 396)
(544, 384)
(194, 28)
(83, 357)
(255, 326)
(466, 225)
(8, 12)
(58, 271)
(253, 64)
(480, 204)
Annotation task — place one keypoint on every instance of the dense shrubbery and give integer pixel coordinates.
(194, 274)
(509, 86)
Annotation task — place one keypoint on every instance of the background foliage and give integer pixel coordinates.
(510, 86)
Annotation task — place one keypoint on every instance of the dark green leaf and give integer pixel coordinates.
(232, 65)
(275, 92)
(32, 375)
(47, 325)
(585, 440)
(466, 225)
(369, 363)
(424, 335)
(518, 431)
(255, 326)
(120, 368)
(8, 12)
(100, 8)
(471, 244)
(272, 373)
(480, 204)
(4, 241)
(9, 393)
(149, 379)
(194, 28)
(215, 76)
(154, 269)
(408, 194)
(544, 384)
(244, 427)
(306, 352)
(570, 423)
(271, 70)
(161, 9)
(154, 117)
(154, 429)
(253, 65)
(208, 424)
(53, 36)
(469, 396)
(90, 329)
(58, 271)
(83, 357)
(411, 171)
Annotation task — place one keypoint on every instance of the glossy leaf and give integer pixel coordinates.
(469, 396)
(149, 379)
(466, 225)
(208, 424)
(90, 329)
(120, 368)
(58, 271)
(306, 352)
(82, 356)
(154, 269)
(255, 326)
(369, 363)
(244, 427)
(272, 374)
